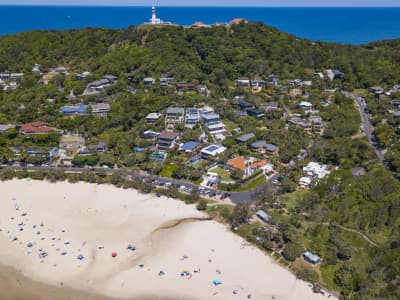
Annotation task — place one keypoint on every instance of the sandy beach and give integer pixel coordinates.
(86, 241)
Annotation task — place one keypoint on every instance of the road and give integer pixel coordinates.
(247, 197)
(366, 125)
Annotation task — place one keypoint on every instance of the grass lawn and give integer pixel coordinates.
(220, 212)
(225, 175)
(328, 275)
(291, 199)
(168, 169)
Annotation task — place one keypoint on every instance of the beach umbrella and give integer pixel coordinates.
(65, 253)
(29, 245)
(114, 254)
(80, 257)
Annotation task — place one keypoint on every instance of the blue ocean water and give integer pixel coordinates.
(341, 25)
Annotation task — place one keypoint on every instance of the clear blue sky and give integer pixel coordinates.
(207, 2)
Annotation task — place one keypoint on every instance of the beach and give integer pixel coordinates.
(87, 241)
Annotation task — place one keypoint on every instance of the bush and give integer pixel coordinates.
(292, 251)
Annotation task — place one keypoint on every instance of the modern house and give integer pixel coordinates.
(245, 138)
(305, 105)
(212, 151)
(166, 81)
(258, 113)
(153, 117)
(244, 105)
(258, 146)
(167, 139)
(149, 135)
(300, 123)
(191, 117)
(189, 147)
(271, 149)
(174, 115)
(100, 109)
(38, 127)
(100, 85)
(149, 81)
(70, 110)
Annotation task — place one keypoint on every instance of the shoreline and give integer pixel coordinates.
(170, 236)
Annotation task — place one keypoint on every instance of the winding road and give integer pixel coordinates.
(366, 125)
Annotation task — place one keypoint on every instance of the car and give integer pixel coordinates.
(30, 165)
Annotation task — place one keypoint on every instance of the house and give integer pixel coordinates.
(149, 135)
(273, 80)
(243, 81)
(316, 170)
(263, 216)
(304, 182)
(167, 139)
(217, 130)
(174, 115)
(149, 81)
(36, 68)
(83, 75)
(317, 124)
(334, 74)
(237, 21)
(189, 147)
(271, 149)
(376, 90)
(210, 117)
(312, 258)
(199, 24)
(153, 117)
(16, 75)
(4, 128)
(100, 147)
(245, 138)
(100, 109)
(191, 117)
(258, 113)
(358, 171)
(212, 151)
(166, 81)
(244, 105)
(300, 123)
(70, 110)
(5, 76)
(249, 165)
(305, 105)
(100, 85)
(38, 127)
(270, 106)
(185, 86)
(258, 146)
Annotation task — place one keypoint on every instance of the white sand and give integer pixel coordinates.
(163, 231)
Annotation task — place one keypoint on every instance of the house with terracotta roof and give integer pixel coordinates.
(250, 165)
(38, 127)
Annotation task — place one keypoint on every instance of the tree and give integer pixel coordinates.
(201, 205)
(240, 215)
(237, 174)
(292, 251)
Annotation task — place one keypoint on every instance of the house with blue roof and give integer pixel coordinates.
(70, 110)
(189, 147)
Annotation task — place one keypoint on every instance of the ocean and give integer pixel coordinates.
(340, 25)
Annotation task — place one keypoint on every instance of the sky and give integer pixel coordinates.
(328, 3)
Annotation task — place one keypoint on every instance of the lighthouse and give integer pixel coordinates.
(154, 20)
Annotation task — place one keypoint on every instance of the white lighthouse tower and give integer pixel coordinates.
(154, 20)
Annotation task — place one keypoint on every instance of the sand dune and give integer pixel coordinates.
(68, 221)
